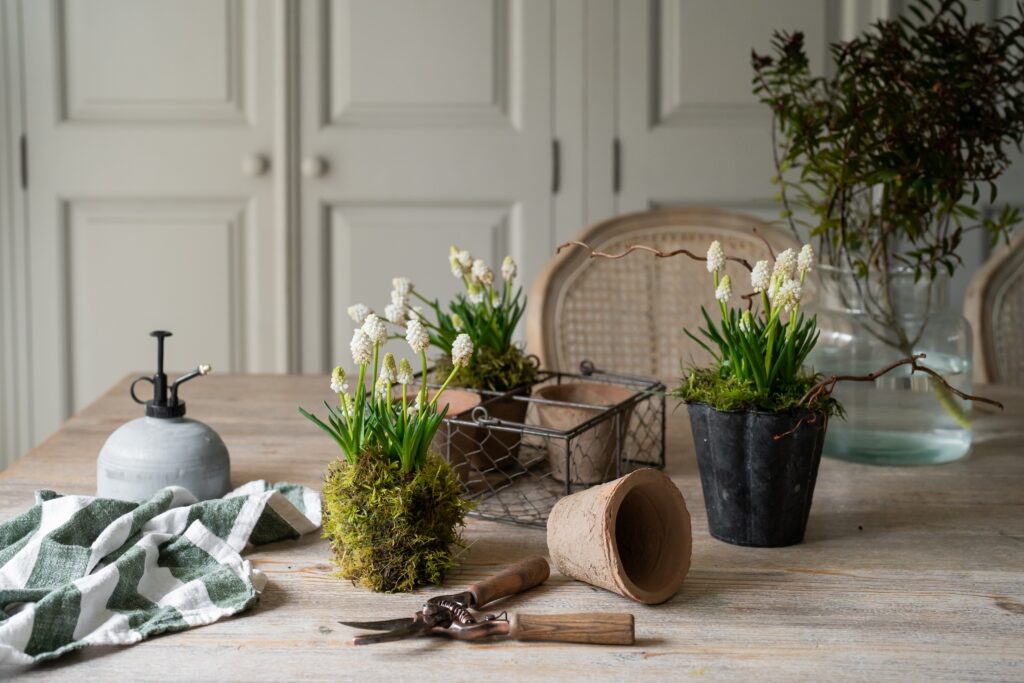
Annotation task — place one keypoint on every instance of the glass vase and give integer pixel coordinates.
(901, 418)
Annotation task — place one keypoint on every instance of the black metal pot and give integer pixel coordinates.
(757, 490)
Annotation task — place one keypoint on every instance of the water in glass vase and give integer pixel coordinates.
(901, 418)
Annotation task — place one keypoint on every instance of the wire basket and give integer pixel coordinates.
(518, 452)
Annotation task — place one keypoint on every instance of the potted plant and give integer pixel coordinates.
(889, 162)
(758, 441)
(392, 507)
(487, 311)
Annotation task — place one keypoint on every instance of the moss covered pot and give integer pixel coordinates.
(391, 530)
(757, 471)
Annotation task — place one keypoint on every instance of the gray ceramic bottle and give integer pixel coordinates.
(164, 448)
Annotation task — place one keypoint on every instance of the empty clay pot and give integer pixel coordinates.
(592, 456)
(630, 536)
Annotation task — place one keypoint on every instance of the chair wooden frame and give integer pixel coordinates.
(984, 295)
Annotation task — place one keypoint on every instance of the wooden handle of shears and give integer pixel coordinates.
(599, 628)
(516, 579)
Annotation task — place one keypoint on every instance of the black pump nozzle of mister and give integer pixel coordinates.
(162, 405)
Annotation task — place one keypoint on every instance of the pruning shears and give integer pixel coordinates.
(451, 616)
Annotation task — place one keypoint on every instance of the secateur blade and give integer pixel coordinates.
(383, 625)
(411, 631)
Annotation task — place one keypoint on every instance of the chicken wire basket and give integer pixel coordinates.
(518, 452)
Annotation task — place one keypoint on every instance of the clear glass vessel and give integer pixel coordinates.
(901, 418)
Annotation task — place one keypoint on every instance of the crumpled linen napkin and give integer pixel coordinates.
(79, 570)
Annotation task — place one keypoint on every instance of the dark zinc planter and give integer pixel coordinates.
(757, 490)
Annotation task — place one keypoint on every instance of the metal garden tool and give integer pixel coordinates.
(451, 616)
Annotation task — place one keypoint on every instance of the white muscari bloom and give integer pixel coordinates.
(347, 403)
(453, 261)
(380, 389)
(402, 285)
(457, 322)
(482, 273)
(462, 350)
(745, 322)
(788, 295)
(465, 260)
(724, 290)
(362, 347)
(805, 261)
(785, 265)
(398, 298)
(476, 293)
(389, 370)
(375, 330)
(404, 372)
(716, 257)
(761, 276)
(509, 268)
(395, 313)
(417, 336)
(358, 313)
(338, 384)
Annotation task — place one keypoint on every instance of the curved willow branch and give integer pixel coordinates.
(594, 253)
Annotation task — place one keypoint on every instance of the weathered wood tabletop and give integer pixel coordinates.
(905, 574)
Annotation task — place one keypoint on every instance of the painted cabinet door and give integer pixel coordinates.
(424, 124)
(150, 131)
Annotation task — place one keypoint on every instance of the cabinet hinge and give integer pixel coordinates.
(616, 166)
(556, 166)
(23, 153)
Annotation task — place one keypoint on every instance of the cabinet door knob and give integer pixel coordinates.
(255, 165)
(314, 167)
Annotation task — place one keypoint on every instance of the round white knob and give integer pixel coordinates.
(314, 167)
(255, 165)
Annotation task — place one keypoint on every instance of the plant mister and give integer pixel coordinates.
(164, 448)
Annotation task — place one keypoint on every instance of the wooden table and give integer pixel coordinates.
(906, 574)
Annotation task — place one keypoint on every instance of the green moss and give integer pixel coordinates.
(705, 385)
(492, 370)
(392, 531)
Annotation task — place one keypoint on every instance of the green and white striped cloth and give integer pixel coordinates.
(79, 570)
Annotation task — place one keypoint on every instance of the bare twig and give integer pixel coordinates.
(594, 253)
(826, 386)
(771, 252)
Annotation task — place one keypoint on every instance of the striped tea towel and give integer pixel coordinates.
(79, 570)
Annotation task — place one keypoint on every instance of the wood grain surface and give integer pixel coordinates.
(905, 574)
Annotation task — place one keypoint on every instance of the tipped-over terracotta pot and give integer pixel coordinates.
(630, 536)
(591, 456)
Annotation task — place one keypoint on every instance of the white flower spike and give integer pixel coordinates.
(716, 257)
(465, 260)
(358, 313)
(724, 290)
(417, 336)
(389, 370)
(761, 276)
(403, 286)
(395, 313)
(361, 347)
(785, 265)
(476, 293)
(482, 273)
(457, 322)
(509, 269)
(788, 296)
(805, 261)
(462, 350)
(338, 384)
(375, 330)
(404, 372)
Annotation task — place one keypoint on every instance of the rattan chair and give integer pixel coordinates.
(627, 315)
(994, 306)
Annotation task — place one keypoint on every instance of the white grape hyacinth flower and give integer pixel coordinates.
(358, 313)
(374, 329)
(724, 290)
(509, 269)
(805, 260)
(465, 260)
(395, 313)
(404, 372)
(785, 265)
(462, 350)
(788, 296)
(416, 335)
(338, 383)
(457, 322)
(761, 276)
(361, 347)
(402, 285)
(476, 293)
(389, 370)
(482, 273)
(716, 257)
(380, 389)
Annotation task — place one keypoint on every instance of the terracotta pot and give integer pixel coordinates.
(757, 490)
(499, 450)
(454, 442)
(592, 457)
(631, 536)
